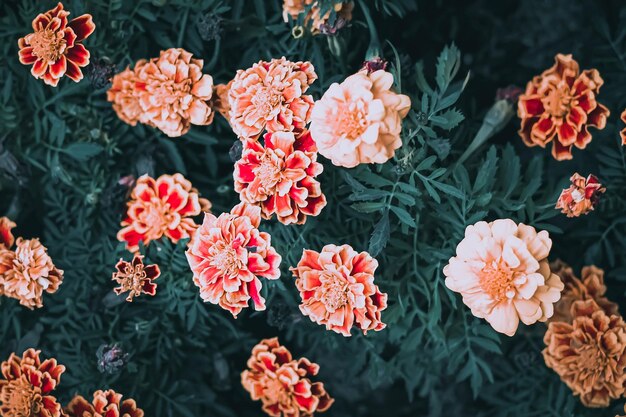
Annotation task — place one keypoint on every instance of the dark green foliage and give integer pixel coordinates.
(63, 153)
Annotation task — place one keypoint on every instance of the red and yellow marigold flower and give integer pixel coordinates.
(105, 404)
(581, 197)
(135, 278)
(6, 236)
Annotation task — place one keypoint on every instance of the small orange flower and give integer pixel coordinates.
(135, 277)
(105, 404)
(622, 132)
(219, 102)
(282, 383)
(26, 385)
(54, 47)
(164, 206)
(559, 106)
(581, 197)
(6, 237)
(294, 8)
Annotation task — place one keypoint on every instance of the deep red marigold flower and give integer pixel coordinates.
(270, 95)
(135, 278)
(6, 237)
(559, 106)
(581, 197)
(228, 254)
(337, 289)
(280, 177)
(164, 206)
(54, 47)
(26, 385)
(282, 383)
(105, 404)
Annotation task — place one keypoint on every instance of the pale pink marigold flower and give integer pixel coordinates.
(6, 237)
(169, 92)
(359, 121)
(228, 254)
(581, 197)
(282, 383)
(26, 273)
(279, 176)
(501, 269)
(337, 289)
(270, 95)
(161, 207)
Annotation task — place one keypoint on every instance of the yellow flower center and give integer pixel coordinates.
(267, 172)
(334, 292)
(225, 259)
(157, 216)
(352, 119)
(134, 277)
(496, 279)
(47, 45)
(20, 398)
(266, 100)
(558, 100)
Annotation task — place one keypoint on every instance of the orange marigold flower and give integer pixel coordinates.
(164, 206)
(228, 254)
(270, 95)
(589, 354)
(219, 102)
(501, 269)
(622, 132)
(314, 16)
(6, 237)
(559, 106)
(54, 48)
(26, 385)
(105, 404)
(591, 286)
(359, 121)
(26, 273)
(581, 197)
(135, 278)
(169, 92)
(280, 177)
(337, 289)
(282, 383)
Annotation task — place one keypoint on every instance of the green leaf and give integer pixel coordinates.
(380, 235)
(83, 151)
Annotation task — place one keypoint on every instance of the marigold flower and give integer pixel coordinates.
(622, 132)
(228, 254)
(591, 286)
(270, 95)
(337, 289)
(559, 106)
(169, 92)
(219, 101)
(589, 353)
(280, 177)
(26, 385)
(164, 206)
(282, 383)
(6, 237)
(314, 16)
(135, 278)
(581, 197)
(359, 121)
(54, 48)
(105, 404)
(26, 273)
(501, 270)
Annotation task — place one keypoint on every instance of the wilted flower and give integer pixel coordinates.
(111, 358)
(501, 270)
(374, 64)
(359, 121)
(100, 72)
(337, 289)
(209, 26)
(135, 277)
(105, 404)
(559, 106)
(319, 23)
(581, 197)
(282, 383)
(54, 47)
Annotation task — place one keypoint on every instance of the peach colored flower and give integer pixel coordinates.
(559, 106)
(170, 93)
(135, 277)
(26, 273)
(164, 206)
(591, 286)
(228, 254)
(581, 197)
(270, 95)
(589, 354)
(501, 270)
(26, 385)
(282, 383)
(359, 121)
(54, 48)
(219, 101)
(6, 237)
(314, 16)
(337, 289)
(280, 177)
(105, 404)
(622, 132)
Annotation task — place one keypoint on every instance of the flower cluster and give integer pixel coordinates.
(319, 23)
(54, 49)
(104, 404)
(501, 269)
(228, 254)
(161, 207)
(581, 197)
(135, 278)
(282, 383)
(27, 271)
(337, 289)
(169, 93)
